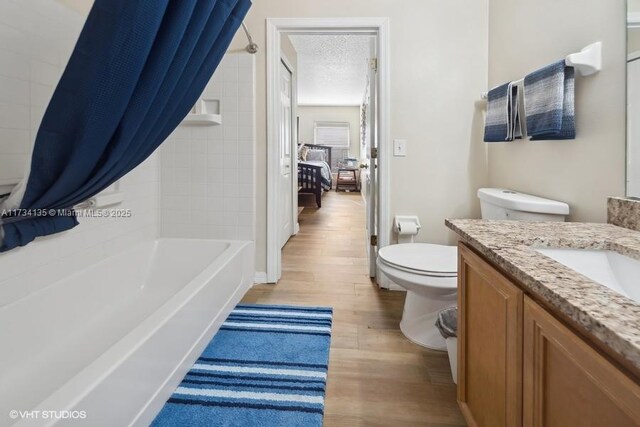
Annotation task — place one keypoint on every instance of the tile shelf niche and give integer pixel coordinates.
(206, 112)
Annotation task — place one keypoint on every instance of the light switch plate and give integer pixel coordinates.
(399, 147)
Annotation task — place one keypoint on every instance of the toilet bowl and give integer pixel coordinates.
(429, 274)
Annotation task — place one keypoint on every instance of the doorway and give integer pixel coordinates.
(282, 209)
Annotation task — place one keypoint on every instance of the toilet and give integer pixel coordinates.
(429, 272)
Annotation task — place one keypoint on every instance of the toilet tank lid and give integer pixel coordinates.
(516, 201)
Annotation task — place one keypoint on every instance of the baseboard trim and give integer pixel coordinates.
(260, 277)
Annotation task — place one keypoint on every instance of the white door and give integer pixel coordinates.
(369, 165)
(286, 175)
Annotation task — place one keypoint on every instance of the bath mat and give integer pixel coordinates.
(267, 366)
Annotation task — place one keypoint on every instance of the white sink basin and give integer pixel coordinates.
(617, 272)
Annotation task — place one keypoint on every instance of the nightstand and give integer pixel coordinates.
(347, 179)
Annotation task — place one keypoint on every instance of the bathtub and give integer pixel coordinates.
(108, 345)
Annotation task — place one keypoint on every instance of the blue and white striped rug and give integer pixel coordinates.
(267, 366)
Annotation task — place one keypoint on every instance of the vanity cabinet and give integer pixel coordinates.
(519, 365)
(489, 344)
(567, 382)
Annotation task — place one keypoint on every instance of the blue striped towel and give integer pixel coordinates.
(549, 102)
(503, 117)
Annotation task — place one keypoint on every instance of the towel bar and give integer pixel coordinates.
(586, 62)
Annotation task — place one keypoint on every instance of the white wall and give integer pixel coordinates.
(309, 115)
(36, 39)
(633, 40)
(633, 34)
(207, 172)
(525, 35)
(438, 68)
(633, 135)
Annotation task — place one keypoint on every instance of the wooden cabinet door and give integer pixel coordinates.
(568, 383)
(489, 344)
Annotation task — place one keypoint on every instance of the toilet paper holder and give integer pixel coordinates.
(412, 221)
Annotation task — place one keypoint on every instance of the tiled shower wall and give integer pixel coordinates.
(36, 39)
(207, 172)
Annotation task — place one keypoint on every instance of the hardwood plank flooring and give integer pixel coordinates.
(376, 376)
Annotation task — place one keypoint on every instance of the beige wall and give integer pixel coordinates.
(524, 35)
(438, 69)
(310, 115)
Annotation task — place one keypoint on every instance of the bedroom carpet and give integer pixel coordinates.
(267, 366)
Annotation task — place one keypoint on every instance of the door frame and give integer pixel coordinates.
(378, 27)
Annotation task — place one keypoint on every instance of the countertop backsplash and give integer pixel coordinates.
(624, 212)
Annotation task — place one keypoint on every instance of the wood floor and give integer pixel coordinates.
(376, 376)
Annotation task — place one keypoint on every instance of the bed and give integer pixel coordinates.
(314, 176)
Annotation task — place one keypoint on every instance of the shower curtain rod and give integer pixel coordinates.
(252, 47)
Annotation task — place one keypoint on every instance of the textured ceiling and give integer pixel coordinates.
(332, 69)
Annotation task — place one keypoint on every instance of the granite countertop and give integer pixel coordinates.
(600, 312)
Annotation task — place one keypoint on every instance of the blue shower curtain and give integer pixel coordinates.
(137, 69)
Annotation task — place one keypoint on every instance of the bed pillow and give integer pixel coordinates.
(302, 154)
(316, 156)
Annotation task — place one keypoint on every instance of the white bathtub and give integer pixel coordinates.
(115, 339)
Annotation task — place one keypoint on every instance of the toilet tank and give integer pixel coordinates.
(499, 203)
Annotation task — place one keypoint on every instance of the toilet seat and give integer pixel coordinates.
(422, 259)
(418, 272)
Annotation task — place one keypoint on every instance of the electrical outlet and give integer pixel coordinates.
(399, 147)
